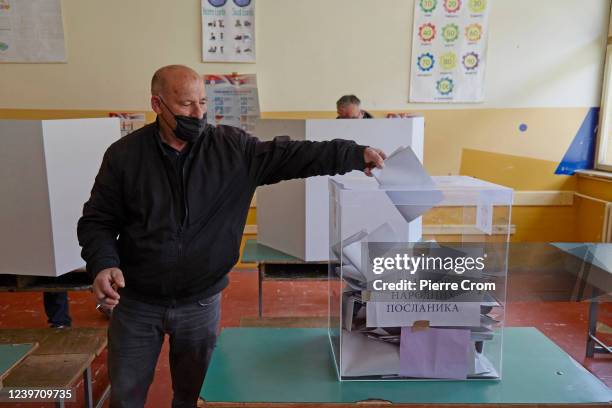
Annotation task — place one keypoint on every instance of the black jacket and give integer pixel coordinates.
(133, 217)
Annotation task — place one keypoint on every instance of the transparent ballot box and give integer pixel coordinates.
(417, 278)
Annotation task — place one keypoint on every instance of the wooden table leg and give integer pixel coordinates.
(105, 395)
(260, 272)
(87, 387)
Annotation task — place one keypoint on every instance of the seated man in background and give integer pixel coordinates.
(349, 107)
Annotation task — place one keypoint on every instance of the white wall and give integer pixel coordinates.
(542, 53)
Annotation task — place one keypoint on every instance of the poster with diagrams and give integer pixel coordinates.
(129, 121)
(228, 30)
(31, 31)
(449, 51)
(232, 100)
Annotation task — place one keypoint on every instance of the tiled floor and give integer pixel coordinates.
(564, 323)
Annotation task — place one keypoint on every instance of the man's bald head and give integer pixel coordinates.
(169, 77)
(177, 90)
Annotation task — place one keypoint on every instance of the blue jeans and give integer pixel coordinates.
(135, 337)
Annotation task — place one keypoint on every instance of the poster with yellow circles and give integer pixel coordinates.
(449, 51)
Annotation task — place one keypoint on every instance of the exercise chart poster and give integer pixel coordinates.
(228, 30)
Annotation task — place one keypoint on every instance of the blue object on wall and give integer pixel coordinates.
(581, 153)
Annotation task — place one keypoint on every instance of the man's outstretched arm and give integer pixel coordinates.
(285, 159)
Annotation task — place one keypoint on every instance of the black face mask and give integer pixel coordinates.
(187, 128)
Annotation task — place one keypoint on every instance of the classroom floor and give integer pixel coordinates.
(298, 299)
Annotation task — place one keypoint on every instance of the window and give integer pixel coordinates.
(603, 154)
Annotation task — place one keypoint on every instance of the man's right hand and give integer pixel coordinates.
(105, 287)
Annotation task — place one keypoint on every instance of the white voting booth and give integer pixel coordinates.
(293, 216)
(48, 168)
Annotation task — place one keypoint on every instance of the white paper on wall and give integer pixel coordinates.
(129, 121)
(228, 30)
(449, 50)
(31, 31)
(233, 100)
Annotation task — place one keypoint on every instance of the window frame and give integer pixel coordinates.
(603, 138)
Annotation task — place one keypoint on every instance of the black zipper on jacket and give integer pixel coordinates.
(183, 222)
(182, 194)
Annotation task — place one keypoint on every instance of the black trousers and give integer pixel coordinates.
(135, 337)
(56, 308)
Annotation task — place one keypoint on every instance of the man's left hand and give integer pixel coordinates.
(374, 158)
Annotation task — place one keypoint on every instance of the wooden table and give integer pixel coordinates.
(276, 265)
(61, 358)
(595, 278)
(77, 280)
(264, 367)
(11, 355)
(279, 266)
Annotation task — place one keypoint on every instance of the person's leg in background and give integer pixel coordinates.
(193, 332)
(56, 308)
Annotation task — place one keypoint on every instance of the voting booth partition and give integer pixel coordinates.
(48, 168)
(292, 216)
(417, 274)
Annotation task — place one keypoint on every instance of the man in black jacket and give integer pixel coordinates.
(162, 229)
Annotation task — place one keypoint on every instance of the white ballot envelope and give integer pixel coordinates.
(404, 170)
